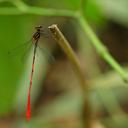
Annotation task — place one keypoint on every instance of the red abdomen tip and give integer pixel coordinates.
(28, 115)
(28, 112)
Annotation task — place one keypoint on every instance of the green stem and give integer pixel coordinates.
(100, 48)
(10, 11)
(20, 5)
(36, 11)
(50, 12)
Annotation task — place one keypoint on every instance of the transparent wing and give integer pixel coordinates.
(25, 53)
(46, 53)
(19, 48)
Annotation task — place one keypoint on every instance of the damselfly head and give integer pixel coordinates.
(38, 28)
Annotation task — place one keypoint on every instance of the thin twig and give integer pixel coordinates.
(61, 40)
(64, 44)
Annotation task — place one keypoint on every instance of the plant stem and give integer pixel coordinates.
(64, 44)
(100, 48)
(35, 11)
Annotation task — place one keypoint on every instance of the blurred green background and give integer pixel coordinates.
(56, 95)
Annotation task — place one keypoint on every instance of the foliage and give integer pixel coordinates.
(17, 19)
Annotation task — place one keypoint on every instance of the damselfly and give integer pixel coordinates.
(35, 40)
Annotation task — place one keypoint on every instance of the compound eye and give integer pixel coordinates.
(38, 27)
